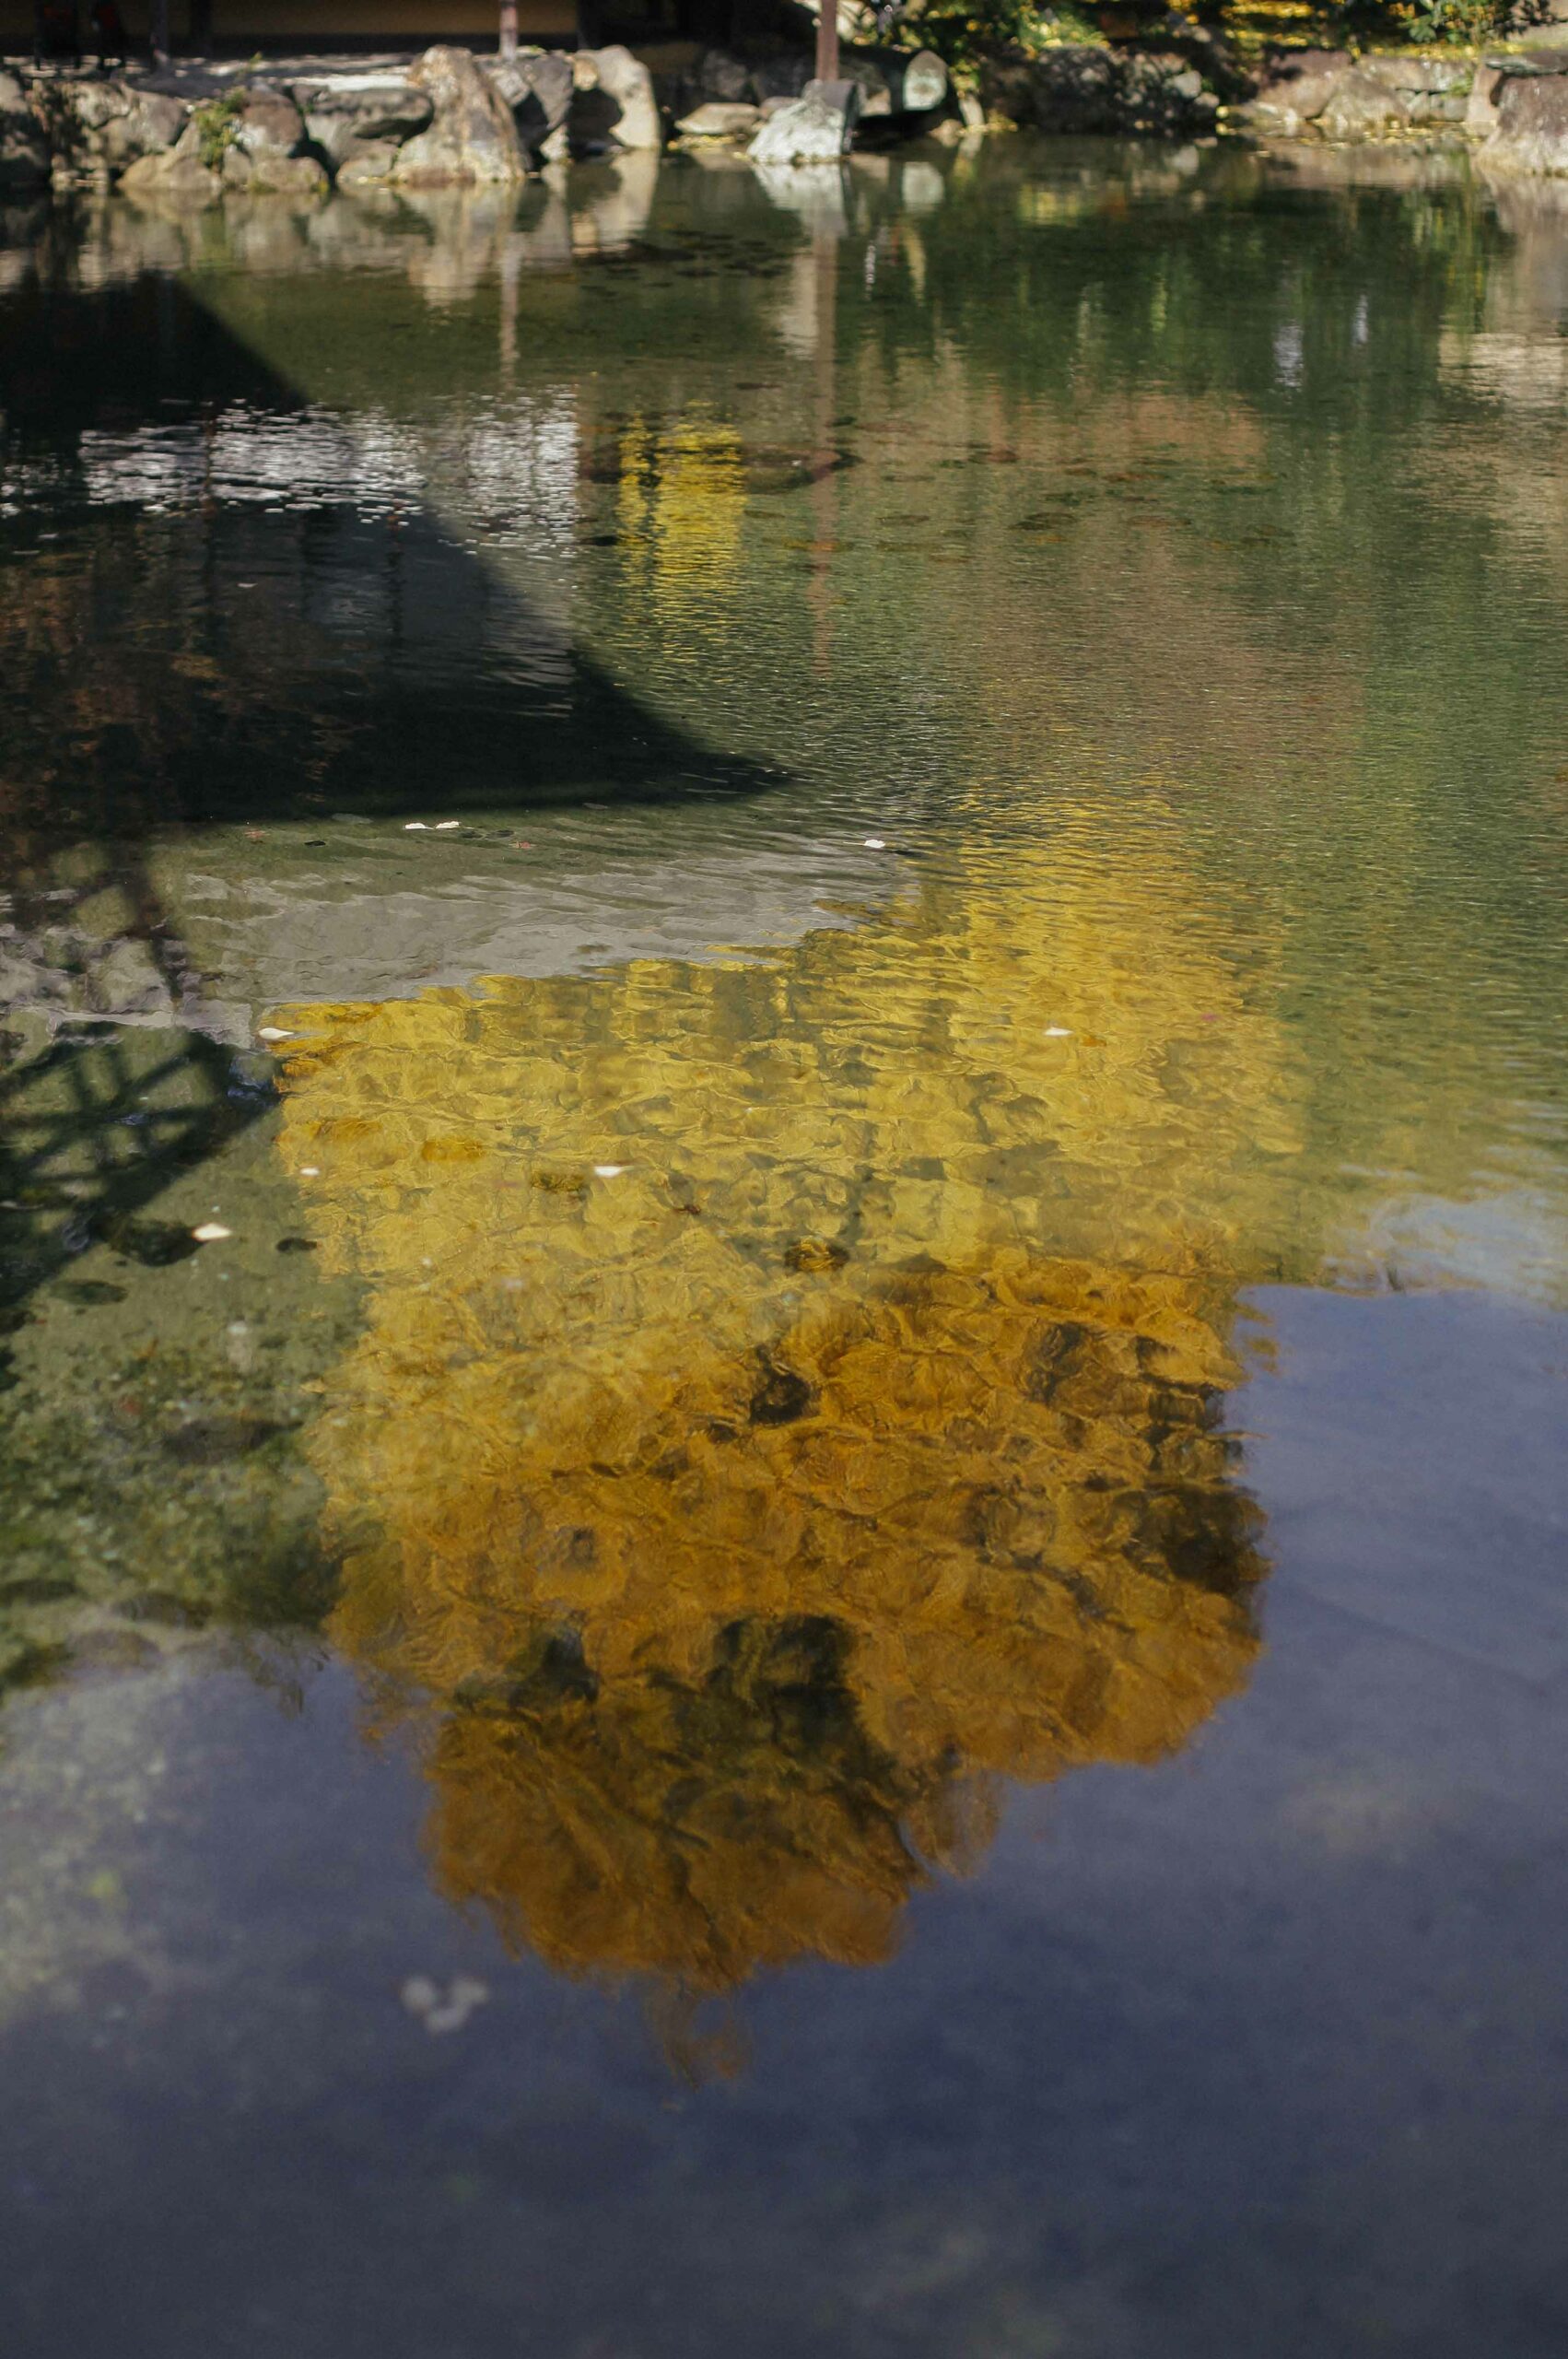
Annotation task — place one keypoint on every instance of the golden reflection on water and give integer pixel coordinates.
(789, 1399)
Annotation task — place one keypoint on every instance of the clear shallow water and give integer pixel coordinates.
(840, 1620)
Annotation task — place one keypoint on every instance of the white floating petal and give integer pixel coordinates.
(210, 1232)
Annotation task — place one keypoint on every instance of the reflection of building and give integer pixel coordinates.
(788, 1402)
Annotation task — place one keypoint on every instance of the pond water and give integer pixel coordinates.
(833, 1614)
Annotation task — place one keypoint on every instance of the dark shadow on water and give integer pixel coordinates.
(174, 653)
(178, 651)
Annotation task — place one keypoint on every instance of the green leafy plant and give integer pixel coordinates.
(964, 32)
(1462, 21)
(217, 121)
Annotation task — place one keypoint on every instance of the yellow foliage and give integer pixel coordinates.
(745, 1453)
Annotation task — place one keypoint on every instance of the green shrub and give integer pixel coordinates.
(217, 121)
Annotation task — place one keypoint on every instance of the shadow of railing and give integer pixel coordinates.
(100, 1116)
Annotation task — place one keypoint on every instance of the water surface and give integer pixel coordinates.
(835, 1618)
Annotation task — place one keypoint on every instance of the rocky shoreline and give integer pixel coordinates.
(453, 118)
(450, 118)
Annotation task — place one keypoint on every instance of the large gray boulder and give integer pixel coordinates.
(537, 85)
(472, 139)
(782, 76)
(895, 82)
(724, 80)
(614, 104)
(720, 119)
(368, 164)
(1361, 107)
(1480, 108)
(251, 137)
(1295, 90)
(1430, 89)
(97, 128)
(816, 128)
(24, 149)
(268, 152)
(345, 113)
(1328, 94)
(1083, 89)
(1531, 133)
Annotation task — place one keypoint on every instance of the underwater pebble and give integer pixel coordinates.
(210, 1232)
(1057, 1032)
(610, 1170)
(443, 825)
(271, 1032)
(414, 826)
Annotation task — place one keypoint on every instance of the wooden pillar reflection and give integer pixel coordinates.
(511, 271)
(824, 256)
(509, 29)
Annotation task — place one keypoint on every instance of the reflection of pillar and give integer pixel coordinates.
(824, 255)
(509, 29)
(200, 28)
(157, 27)
(512, 270)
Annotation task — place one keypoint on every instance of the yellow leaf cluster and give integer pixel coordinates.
(743, 1455)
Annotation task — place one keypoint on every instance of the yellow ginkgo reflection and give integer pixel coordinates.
(788, 1402)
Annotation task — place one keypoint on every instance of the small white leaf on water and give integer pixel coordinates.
(271, 1032)
(423, 1998)
(876, 843)
(1057, 1032)
(410, 825)
(609, 1170)
(309, 1171)
(443, 825)
(210, 1232)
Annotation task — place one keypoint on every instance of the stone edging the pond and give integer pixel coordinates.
(448, 118)
(451, 118)
(1513, 105)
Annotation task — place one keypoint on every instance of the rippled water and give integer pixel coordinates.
(832, 1616)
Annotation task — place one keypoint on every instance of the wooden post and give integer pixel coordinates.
(508, 28)
(828, 41)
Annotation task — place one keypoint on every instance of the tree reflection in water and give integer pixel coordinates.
(789, 1402)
